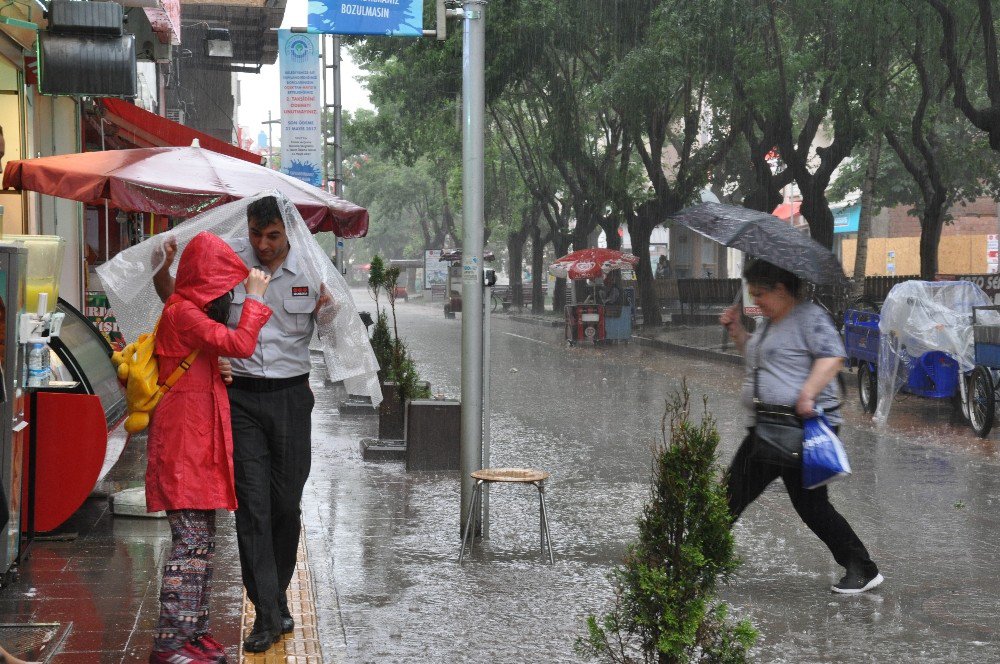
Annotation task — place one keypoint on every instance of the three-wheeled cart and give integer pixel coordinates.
(933, 374)
(928, 339)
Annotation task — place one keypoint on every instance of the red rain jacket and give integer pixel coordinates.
(190, 449)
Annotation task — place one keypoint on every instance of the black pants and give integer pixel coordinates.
(271, 457)
(749, 477)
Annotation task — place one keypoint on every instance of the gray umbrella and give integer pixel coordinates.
(763, 236)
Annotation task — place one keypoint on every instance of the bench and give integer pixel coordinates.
(506, 295)
(697, 293)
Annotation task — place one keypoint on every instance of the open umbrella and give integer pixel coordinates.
(591, 263)
(763, 236)
(177, 182)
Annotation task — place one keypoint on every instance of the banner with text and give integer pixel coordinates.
(402, 18)
(301, 120)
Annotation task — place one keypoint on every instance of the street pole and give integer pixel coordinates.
(270, 140)
(473, 110)
(338, 158)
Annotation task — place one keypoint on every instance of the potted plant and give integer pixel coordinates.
(397, 371)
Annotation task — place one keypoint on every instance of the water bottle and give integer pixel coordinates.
(39, 369)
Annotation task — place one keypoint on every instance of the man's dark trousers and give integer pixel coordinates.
(271, 458)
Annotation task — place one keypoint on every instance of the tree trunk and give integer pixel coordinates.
(560, 245)
(640, 229)
(537, 271)
(931, 224)
(816, 210)
(867, 211)
(515, 261)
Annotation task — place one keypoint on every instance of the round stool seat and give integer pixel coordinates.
(510, 475)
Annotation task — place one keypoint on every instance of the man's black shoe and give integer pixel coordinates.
(260, 641)
(287, 625)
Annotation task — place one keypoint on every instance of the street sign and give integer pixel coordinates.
(401, 18)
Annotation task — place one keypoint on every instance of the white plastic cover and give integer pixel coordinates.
(919, 317)
(128, 280)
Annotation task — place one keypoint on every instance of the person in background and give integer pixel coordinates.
(663, 268)
(792, 361)
(611, 294)
(189, 471)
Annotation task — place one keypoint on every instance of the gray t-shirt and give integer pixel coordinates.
(786, 357)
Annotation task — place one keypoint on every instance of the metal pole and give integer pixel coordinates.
(338, 158)
(487, 306)
(323, 127)
(473, 109)
(107, 229)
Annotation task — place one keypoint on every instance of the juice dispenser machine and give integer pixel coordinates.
(13, 260)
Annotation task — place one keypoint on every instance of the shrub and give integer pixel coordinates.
(665, 609)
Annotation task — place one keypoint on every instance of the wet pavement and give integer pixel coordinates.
(924, 498)
(383, 543)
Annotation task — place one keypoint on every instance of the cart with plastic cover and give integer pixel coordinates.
(920, 343)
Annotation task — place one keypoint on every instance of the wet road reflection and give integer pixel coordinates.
(924, 499)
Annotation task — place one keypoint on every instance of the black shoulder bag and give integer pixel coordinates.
(778, 433)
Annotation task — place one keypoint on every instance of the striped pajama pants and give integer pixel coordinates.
(186, 579)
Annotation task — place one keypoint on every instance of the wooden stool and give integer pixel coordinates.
(517, 476)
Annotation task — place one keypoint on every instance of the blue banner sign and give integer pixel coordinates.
(845, 220)
(401, 18)
(301, 122)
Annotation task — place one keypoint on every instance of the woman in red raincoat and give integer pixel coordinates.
(189, 472)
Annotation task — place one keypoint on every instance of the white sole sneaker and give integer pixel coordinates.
(874, 583)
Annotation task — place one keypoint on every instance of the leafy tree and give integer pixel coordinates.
(961, 48)
(665, 609)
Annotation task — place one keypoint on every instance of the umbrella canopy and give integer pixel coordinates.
(763, 236)
(591, 263)
(177, 182)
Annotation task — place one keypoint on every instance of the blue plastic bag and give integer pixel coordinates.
(823, 457)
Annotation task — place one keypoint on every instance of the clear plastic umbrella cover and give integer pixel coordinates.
(919, 317)
(128, 280)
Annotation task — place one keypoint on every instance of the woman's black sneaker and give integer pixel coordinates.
(852, 584)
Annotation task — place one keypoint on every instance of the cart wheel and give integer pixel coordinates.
(982, 401)
(867, 387)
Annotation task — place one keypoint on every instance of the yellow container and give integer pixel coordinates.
(45, 259)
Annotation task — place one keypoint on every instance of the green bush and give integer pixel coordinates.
(665, 608)
(394, 361)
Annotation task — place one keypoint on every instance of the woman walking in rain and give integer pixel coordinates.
(792, 362)
(190, 467)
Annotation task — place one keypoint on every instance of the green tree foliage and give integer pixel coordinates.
(394, 361)
(665, 609)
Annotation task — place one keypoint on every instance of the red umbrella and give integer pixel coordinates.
(591, 263)
(177, 182)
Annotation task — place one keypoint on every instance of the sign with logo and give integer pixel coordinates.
(435, 272)
(846, 220)
(301, 120)
(401, 18)
(98, 311)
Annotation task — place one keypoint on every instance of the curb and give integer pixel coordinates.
(691, 351)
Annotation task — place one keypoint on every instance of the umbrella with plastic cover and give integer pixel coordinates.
(591, 263)
(764, 237)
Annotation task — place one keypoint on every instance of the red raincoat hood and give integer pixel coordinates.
(208, 268)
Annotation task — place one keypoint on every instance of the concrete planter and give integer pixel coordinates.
(392, 414)
(433, 434)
